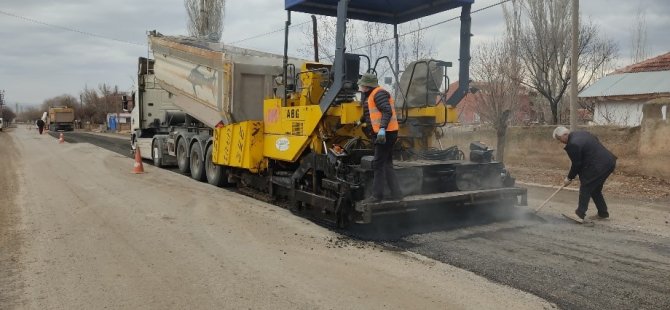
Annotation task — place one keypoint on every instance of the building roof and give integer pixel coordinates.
(658, 63)
(630, 84)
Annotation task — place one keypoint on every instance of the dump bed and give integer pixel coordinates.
(61, 115)
(214, 82)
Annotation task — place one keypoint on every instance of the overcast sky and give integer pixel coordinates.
(40, 61)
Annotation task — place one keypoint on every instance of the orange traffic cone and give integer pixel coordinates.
(138, 167)
(61, 139)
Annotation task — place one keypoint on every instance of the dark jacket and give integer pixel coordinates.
(40, 123)
(590, 159)
(383, 104)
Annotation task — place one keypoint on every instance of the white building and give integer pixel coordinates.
(619, 96)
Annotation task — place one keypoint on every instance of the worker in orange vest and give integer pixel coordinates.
(380, 113)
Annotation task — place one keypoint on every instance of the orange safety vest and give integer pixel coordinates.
(376, 115)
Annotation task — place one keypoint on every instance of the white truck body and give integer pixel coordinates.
(193, 80)
(215, 83)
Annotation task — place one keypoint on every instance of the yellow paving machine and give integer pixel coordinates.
(286, 129)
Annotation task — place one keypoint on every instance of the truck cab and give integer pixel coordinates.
(153, 112)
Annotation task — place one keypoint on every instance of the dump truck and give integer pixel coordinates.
(286, 129)
(60, 118)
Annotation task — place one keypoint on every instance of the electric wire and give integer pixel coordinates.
(430, 26)
(268, 33)
(244, 39)
(90, 34)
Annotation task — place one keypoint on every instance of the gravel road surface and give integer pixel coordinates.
(621, 263)
(79, 231)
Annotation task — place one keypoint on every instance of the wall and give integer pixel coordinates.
(619, 113)
(640, 150)
(655, 139)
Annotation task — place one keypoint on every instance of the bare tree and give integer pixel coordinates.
(30, 114)
(7, 114)
(98, 103)
(326, 34)
(639, 43)
(413, 44)
(497, 96)
(64, 100)
(545, 52)
(205, 18)
(374, 40)
(496, 69)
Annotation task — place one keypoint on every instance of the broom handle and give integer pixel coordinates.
(552, 196)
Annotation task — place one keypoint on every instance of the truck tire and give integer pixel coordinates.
(155, 149)
(182, 157)
(197, 164)
(216, 175)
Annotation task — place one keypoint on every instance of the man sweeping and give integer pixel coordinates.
(593, 163)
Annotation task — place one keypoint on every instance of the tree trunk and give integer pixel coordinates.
(554, 111)
(500, 147)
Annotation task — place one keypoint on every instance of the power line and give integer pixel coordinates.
(267, 33)
(374, 43)
(245, 39)
(90, 34)
(430, 26)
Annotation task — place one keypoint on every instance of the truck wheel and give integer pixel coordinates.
(216, 175)
(155, 149)
(197, 164)
(182, 157)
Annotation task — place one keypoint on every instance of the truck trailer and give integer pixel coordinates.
(287, 129)
(60, 118)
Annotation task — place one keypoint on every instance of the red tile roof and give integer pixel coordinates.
(658, 63)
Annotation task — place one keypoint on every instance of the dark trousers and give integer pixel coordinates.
(383, 165)
(40, 129)
(594, 190)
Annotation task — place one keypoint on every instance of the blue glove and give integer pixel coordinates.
(381, 136)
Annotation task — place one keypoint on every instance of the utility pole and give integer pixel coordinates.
(2, 103)
(574, 64)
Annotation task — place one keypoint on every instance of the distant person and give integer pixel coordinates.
(40, 125)
(593, 163)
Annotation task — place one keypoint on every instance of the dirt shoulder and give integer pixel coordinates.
(10, 242)
(619, 184)
(636, 203)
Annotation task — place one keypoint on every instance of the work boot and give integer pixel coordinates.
(580, 215)
(600, 216)
(575, 218)
(371, 199)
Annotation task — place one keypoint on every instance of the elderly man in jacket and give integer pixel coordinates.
(592, 162)
(379, 112)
